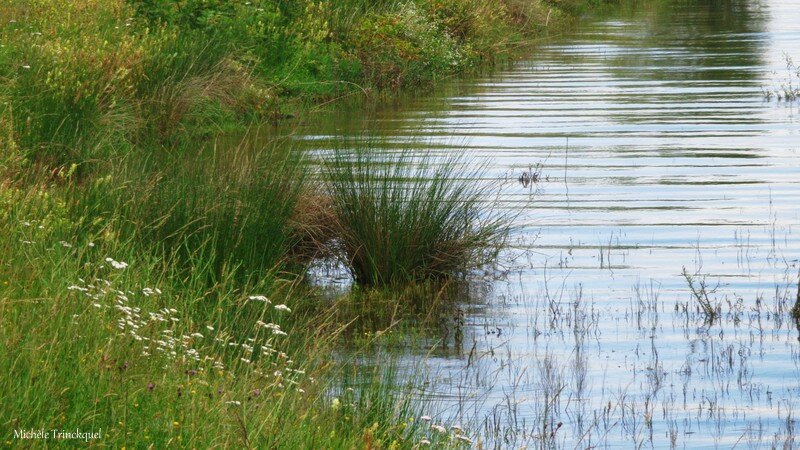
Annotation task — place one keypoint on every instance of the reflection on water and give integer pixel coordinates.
(656, 151)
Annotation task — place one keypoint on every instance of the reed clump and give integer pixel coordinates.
(404, 219)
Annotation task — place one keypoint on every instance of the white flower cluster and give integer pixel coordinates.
(165, 332)
(458, 432)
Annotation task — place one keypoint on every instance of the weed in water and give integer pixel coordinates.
(700, 291)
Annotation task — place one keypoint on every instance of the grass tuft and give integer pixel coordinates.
(405, 219)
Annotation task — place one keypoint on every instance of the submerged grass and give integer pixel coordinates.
(405, 219)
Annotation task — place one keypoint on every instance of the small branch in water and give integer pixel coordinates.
(700, 293)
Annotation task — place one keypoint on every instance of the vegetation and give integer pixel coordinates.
(84, 81)
(159, 310)
(795, 311)
(151, 275)
(403, 219)
(700, 292)
(788, 90)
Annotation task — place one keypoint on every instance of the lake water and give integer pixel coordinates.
(654, 149)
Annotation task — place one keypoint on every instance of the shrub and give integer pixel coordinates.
(480, 26)
(404, 48)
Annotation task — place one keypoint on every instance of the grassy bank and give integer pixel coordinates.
(163, 304)
(152, 278)
(82, 81)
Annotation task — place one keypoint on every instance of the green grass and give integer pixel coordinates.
(83, 338)
(91, 80)
(125, 301)
(405, 219)
(236, 202)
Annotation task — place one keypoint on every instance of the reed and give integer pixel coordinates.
(404, 219)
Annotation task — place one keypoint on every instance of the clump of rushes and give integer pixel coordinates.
(405, 219)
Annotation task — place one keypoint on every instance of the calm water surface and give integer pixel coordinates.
(655, 150)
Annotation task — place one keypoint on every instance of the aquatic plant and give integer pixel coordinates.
(789, 88)
(404, 218)
(795, 311)
(700, 292)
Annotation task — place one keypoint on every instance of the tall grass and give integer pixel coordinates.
(405, 218)
(234, 202)
(104, 333)
(92, 80)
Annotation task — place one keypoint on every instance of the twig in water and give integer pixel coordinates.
(701, 294)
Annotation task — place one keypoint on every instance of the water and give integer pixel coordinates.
(655, 150)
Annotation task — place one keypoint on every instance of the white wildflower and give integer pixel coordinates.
(259, 298)
(282, 308)
(439, 428)
(464, 439)
(117, 264)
